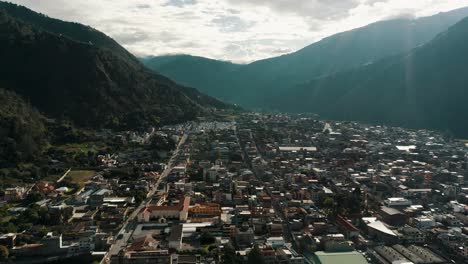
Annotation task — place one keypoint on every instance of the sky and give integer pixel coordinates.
(241, 31)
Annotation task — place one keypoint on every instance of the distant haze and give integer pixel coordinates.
(235, 30)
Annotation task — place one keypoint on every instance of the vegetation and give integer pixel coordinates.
(80, 176)
(73, 72)
(4, 252)
(22, 131)
(398, 72)
(229, 255)
(206, 238)
(341, 52)
(424, 88)
(255, 256)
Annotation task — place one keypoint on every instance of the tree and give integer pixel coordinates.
(229, 255)
(34, 197)
(3, 252)
(328, 203)
(329, 206)
(255, 256)
(140, 196)
(207, 238)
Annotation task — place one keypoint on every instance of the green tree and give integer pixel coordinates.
(207, 238)
(229, 255)
(328, 203)
(34, 197)
(4, 252)
(255, 256)
(140, 196)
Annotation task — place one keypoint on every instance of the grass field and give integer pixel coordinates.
(80, 176)
(84, 147)
(52, 177)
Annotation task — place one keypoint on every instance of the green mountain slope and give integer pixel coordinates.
(22, 131)
(251, 85)
(426, 87)
(211, 76)
(70, 70)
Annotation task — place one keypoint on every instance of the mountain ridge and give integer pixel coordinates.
(425, 88)
(339, 52)
(94, 84)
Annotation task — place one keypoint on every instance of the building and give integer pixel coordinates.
(8, 240)
(244, 236)
(411, 235)
(14, 194)
(161, 213)
(392, 216)
(50, 246)
(143, 257)
(349, 230)
(337, 243)
(175, 238)
(378, 230)
(352, 257)
(275, 242)
(397, 202)
(288, 256)
(205, 210)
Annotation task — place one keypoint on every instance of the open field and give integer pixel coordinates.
(80, 176)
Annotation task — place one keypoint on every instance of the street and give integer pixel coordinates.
(122, 237)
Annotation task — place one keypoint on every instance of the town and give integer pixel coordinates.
(249, 188)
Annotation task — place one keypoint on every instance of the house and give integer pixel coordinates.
(12, 194)
(392, 216)
(175, 238)
(50, 246)
(349, 230)
(45, 188)
(161, 213)
(379, 231)
(244, 236)
(146, 256)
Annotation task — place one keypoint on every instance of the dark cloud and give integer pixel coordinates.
(232, 23)
(180, 3)
(319, 9)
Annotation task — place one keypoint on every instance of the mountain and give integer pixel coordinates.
(73, 71)
(426, 87)
(22, 130)
(333, 54)
(210, 75)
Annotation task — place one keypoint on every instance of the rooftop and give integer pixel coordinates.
(352, 257)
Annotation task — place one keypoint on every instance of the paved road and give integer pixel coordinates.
(64, 175)
(128, 226)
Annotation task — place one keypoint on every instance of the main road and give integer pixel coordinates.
(122, 237)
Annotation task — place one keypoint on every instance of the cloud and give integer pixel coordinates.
(131, 36)
(167, 37)
(232, 23)
(179, 3)
(236, 30)
(319, 9)
(143, 6)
